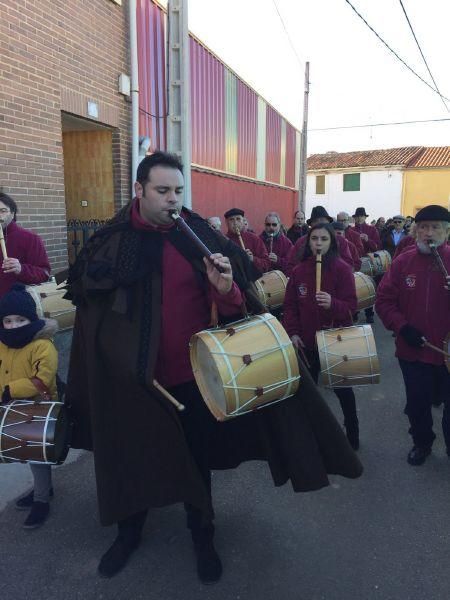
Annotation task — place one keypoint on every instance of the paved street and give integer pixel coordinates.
(382, 537)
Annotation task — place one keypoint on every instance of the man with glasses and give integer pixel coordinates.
(349, 233)
(27, 260)
(392, 235)
(277, 244)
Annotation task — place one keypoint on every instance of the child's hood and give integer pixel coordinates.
(48, 331)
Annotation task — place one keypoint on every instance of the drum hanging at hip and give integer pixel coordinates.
(367, 266)
(34, 432)
(272, 288)
(365, 290)
(51, 304)
(381, 260)
(248, 364)
(348, 357)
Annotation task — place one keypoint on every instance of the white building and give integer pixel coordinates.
(372, 179)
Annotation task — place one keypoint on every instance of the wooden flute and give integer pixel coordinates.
(184, 227)
(438, 258)
(318, 270)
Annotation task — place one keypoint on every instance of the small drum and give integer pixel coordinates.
(249, 364)
(51, 304)
(365, 290)
(381, 260)
(272, 288)
(34, 432)
(348, 357)
(367, 266)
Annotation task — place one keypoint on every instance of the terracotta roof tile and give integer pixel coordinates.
(431, 157)
(364, 158)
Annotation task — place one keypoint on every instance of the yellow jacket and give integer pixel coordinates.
(39, 359)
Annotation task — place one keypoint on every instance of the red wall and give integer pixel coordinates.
(213, 195)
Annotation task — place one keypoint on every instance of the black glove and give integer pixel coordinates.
(412, 336)
(6, 396)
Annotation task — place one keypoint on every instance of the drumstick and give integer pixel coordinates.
(425, 343)
(318, 270)
(2, 243)
(169, 397)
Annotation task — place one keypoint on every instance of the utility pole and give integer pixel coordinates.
(303, 145)
(179, 119)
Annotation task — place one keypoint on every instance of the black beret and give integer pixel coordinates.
(337, 225)
(234, 212)
(433, 212)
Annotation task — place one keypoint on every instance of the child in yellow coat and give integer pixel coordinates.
(27, 352)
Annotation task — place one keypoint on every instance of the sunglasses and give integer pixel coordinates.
(397, 222)
(271, 224)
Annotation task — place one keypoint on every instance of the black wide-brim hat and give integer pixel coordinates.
(234, 212)
(360, 212)
(433, 212)
(317, 213)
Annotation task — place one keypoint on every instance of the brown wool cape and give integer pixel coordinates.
(140, 452)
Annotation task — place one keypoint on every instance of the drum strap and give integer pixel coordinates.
(41, 388)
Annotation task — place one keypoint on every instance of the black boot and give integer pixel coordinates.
(116, 557)
(209, 565)
(129, 538)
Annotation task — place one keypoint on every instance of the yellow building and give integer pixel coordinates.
(426, 180)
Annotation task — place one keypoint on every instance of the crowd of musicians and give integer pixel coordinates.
(158, 274)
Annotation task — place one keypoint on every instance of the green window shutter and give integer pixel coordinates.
(352, 182)
(320, 184)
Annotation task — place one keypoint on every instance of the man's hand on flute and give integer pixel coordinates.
(12, 265)
(223, 282)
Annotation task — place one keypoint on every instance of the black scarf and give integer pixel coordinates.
(21, 336)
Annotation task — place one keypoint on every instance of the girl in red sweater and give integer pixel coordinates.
(306, 312)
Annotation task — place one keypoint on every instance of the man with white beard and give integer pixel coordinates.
(413, 300)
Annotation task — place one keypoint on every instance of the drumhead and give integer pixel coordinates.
(208, 377)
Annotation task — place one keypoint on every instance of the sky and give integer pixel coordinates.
(354, 79)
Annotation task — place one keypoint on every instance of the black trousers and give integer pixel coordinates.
(425, 383)
(346, 396)
(197, 423)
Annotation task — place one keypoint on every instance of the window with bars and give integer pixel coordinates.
(352, 182)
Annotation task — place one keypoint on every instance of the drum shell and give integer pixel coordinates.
(272, 288)
(365, 290)
(348, 357)
(381, 261)
(367, 266)
(218, 356)
(34, 424)
(51, 304)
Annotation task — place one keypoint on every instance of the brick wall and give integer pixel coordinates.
(55, 55)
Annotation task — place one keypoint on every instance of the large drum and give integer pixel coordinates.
(348, 357)
(367, 266)
(248, 364)
(381, 260)
(272, 288)
(365, 290)
(34, 432)
(51, 304)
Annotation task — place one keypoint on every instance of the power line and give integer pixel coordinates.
(300, 62)
(423, 57)
(395, 53)
(379, 124)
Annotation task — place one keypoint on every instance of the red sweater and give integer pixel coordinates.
(281, 247)
(185, 310)
(353, 236)
(412, 291)
(355, 256)
(29, 249)
(374, 241)
(344, 251)
(302, 315)
(252, 242)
